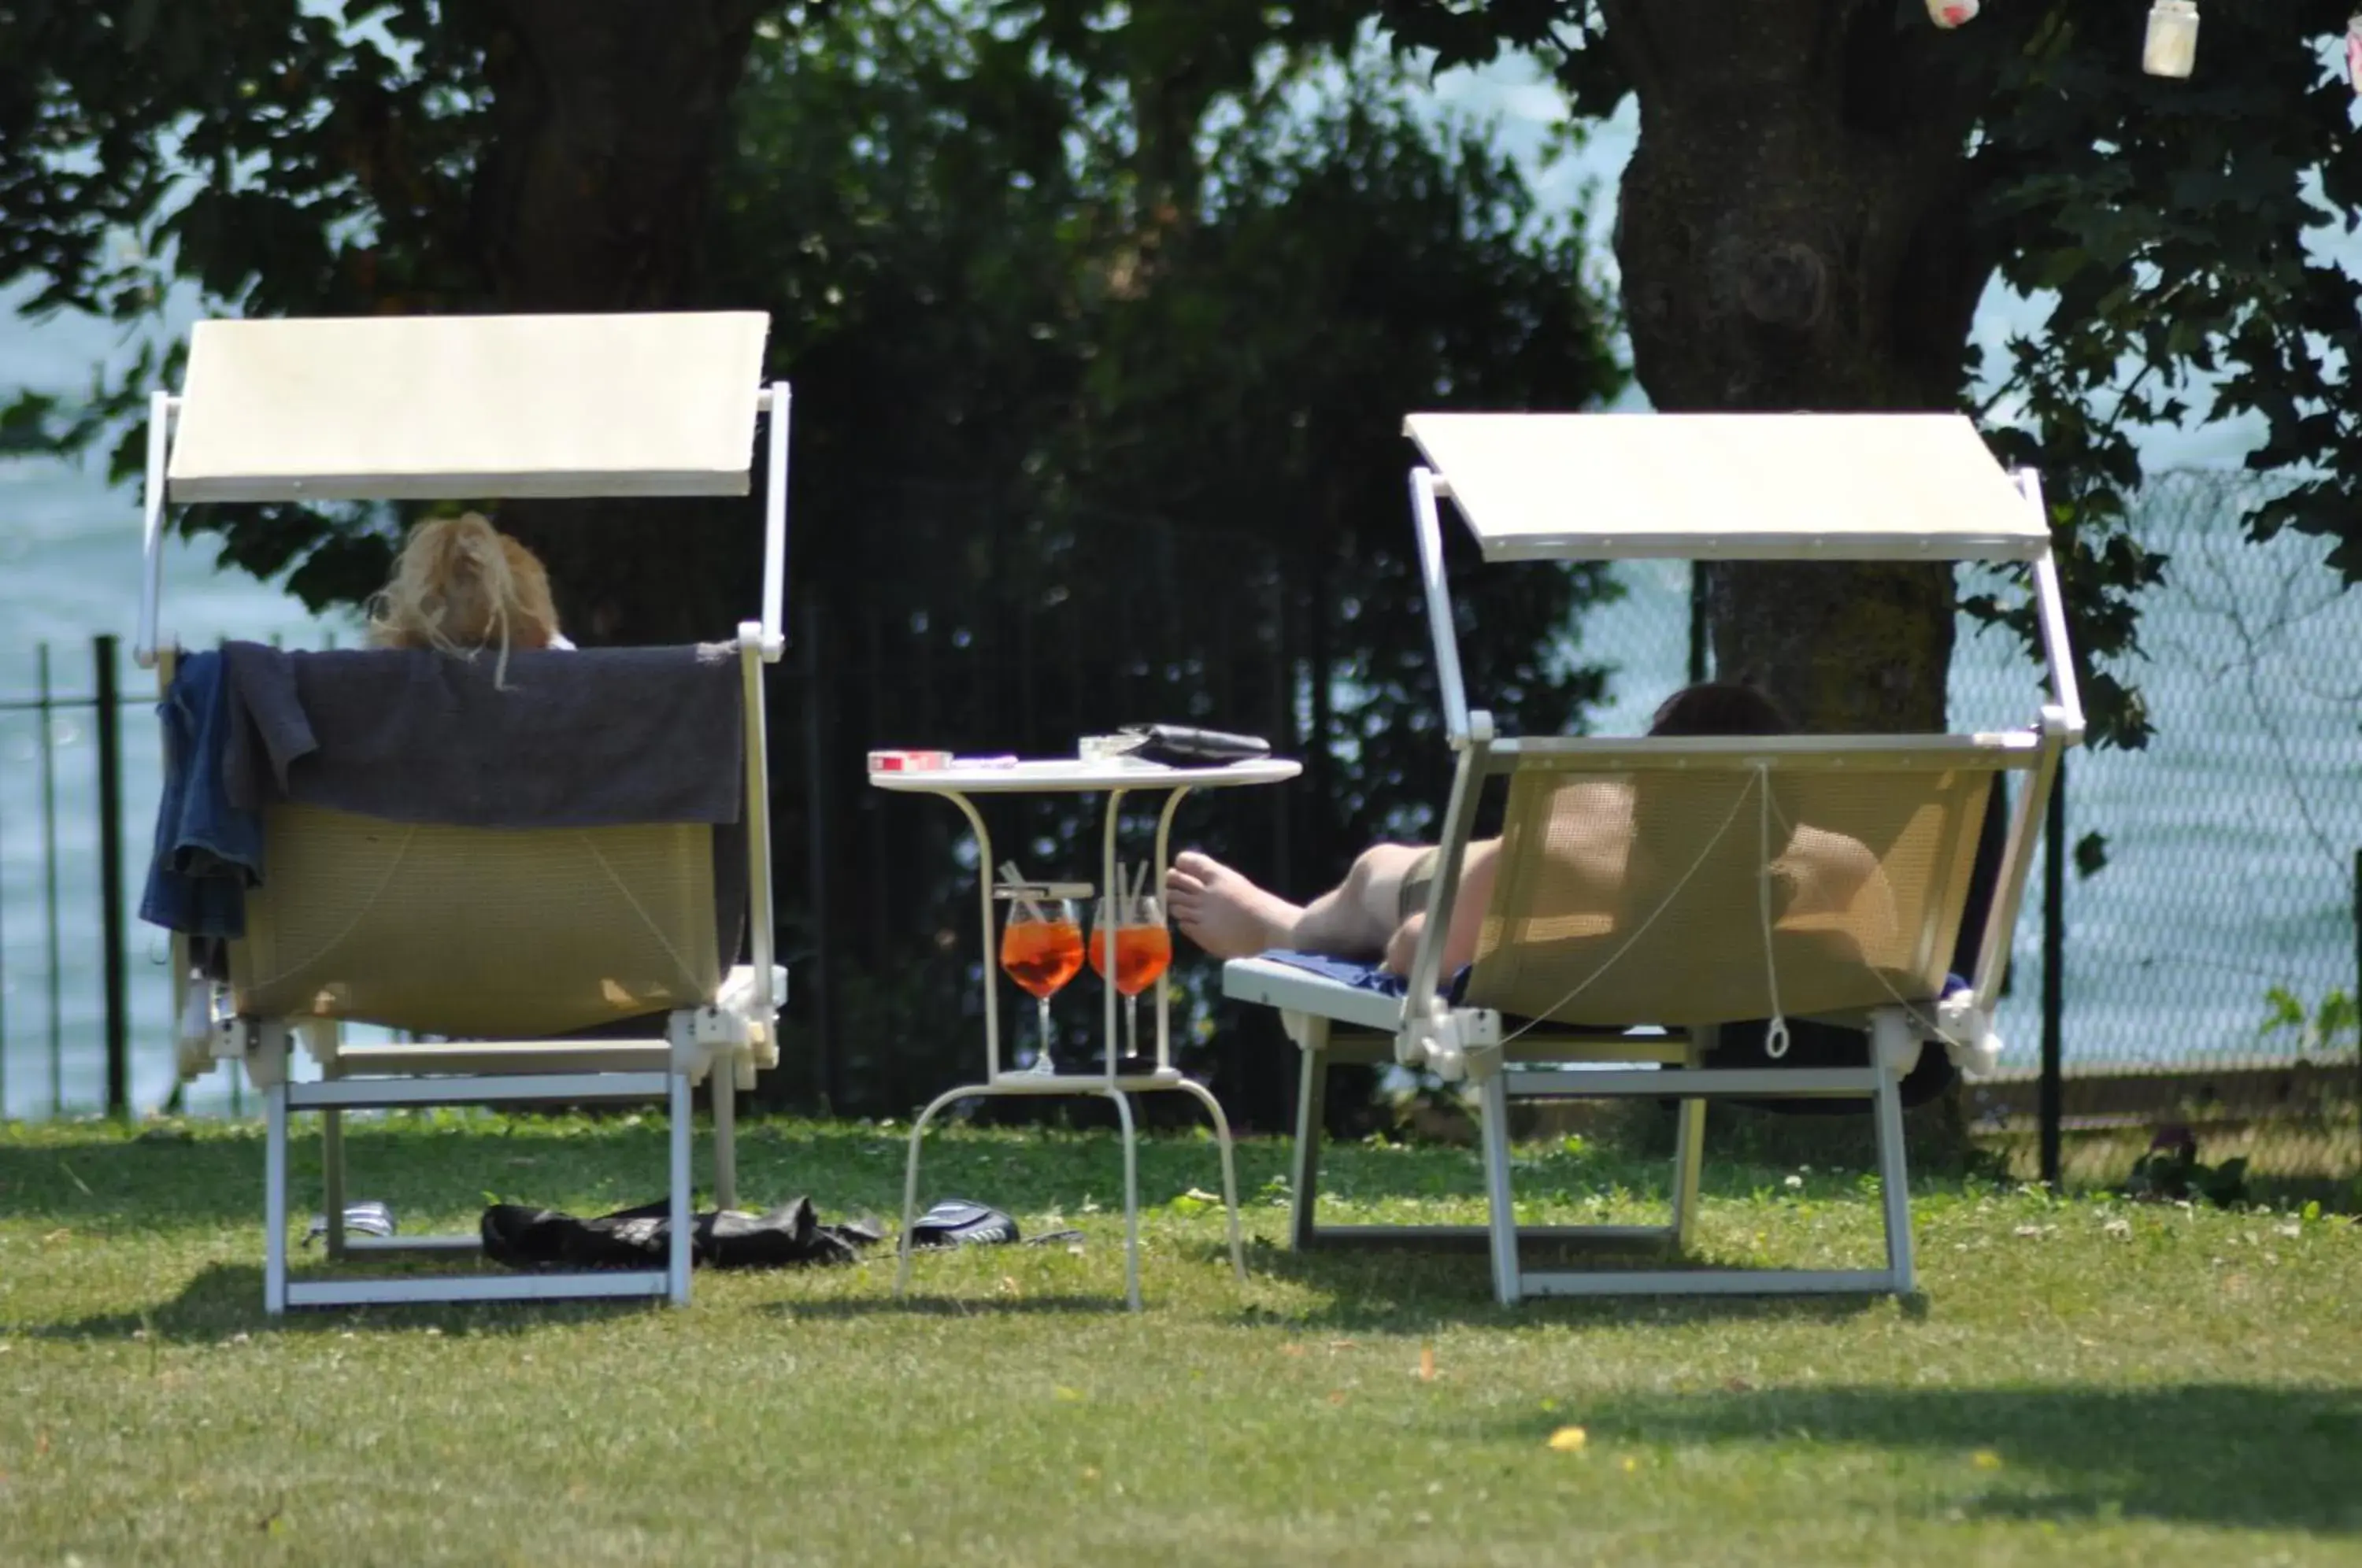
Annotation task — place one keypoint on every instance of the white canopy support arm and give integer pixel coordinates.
(2062, 727)
(2050, 609)
(161, 409)
(1419, 1043)
(1425, 486)
(758, 834)
(2026, 820)
(775, 403)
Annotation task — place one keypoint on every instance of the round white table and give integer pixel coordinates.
(1115, 779)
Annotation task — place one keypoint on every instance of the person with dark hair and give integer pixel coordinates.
(1378, 910)
(1719, 708)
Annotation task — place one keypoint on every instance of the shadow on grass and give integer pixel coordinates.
(1375, 1289)
(223, 1299)
(2223, 1455)
(854, 1308)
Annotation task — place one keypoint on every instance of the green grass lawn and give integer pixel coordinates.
(2082, 1381)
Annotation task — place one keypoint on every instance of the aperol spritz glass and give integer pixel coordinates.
(1144, 951)
(1041, 949)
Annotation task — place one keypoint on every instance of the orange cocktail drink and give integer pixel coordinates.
(1042, 954)
(1142, 953)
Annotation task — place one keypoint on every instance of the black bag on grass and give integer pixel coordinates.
(789, 1235)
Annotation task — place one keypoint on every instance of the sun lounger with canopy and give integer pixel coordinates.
(1573, 995)
(506, 943)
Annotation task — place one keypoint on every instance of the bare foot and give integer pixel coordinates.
(1224, 912)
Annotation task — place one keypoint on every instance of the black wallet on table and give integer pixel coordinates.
(1183, 745)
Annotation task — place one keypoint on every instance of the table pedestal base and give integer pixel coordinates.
(1119, 1089)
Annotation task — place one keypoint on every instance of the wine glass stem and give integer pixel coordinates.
(1131, 1027)
(1042, 1063)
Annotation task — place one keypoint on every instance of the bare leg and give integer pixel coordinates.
(1477, 871)
(1230, 917)
(1354, 919)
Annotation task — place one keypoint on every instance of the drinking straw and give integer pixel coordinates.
(1032, 912)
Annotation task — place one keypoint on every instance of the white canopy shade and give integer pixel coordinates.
(1730, 486)
(462, 407)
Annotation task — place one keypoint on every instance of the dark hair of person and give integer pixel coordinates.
(1719, 708)
(1713, 708)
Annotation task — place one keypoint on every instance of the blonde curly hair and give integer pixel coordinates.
(458, 586)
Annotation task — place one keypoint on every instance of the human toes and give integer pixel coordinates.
(1199, 868)
(1195, 873)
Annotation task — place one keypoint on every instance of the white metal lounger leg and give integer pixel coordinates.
(282, 1292)
(274, 1198)
(1506, 1285)
(1689, 1168)
(724, 1077)
(1890, 1037)
(1689, 1150)
(324, 1038)
(1311, 1116)
(332, 1175)
(1894, 1185)
(683, 1134)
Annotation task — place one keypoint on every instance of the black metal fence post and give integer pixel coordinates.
(51, 950)
(1699, 641)
(110, 871)
(2053, 982)
(3, 987)
(821, 979)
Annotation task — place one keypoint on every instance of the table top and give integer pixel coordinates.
(1073, 775)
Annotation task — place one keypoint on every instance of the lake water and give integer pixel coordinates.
(2231, 841)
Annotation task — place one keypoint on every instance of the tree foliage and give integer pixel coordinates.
(1085, 448)
(398, 156)
(2171, 227)
(1101, 336)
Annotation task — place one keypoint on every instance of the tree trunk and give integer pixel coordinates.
(1799, 229)
(606, 117)
(1795, 233)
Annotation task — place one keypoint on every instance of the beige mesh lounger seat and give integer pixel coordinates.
(505, 940)
(1687, 883)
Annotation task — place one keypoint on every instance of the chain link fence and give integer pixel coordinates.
(2208, 887)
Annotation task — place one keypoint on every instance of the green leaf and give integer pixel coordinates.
(2090, 854)
(25, 429)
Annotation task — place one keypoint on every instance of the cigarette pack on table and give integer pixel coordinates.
(908, 761)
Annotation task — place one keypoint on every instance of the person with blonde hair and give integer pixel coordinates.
(459, 586)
